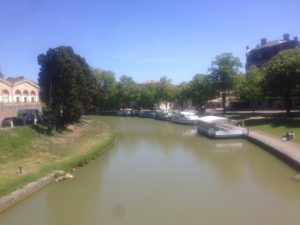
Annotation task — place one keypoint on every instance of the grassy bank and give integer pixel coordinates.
(38, 154)
(274, 125)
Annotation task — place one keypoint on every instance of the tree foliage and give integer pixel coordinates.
(283, 75)
(183, 94)
(166, 91)
(201, 89)
(127, 92)
(222, 69)
(66, 85)
(148, 96)
(106, 90)
(249, 88)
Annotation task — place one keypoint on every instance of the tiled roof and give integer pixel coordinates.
(15, 79)
(11, 81)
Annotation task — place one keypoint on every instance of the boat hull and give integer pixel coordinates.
(218, 135)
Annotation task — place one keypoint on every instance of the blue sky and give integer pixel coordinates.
(142, 39)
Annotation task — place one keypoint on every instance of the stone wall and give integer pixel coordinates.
(11, 109)
(21, 194)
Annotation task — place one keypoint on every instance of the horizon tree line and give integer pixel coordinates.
(71, 88)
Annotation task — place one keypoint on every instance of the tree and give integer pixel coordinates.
(64, 81)
(223, 68)
(283, 75)
(147, 95)
(201, 89)
(106, 89)
(166, 91)
(127, 92)
(183, 94)
(250, 87)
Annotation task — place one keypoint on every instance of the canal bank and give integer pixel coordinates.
(163, 173)
(21, 177)
(124, 128)
(287, 151)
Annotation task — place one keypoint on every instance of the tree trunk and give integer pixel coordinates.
(288, 94)
(224, 101)
(288, 101)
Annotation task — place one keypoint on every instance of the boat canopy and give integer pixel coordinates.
(213, 119)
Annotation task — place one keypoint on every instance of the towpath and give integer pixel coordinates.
(288, 150)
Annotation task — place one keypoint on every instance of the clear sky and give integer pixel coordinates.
(144, 39)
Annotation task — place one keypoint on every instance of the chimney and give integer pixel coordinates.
(263, 41)
(286, 37)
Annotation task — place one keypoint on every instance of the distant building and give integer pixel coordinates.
(260, 55)
(18, 90)
(18, 95)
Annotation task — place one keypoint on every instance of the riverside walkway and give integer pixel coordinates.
(286, 150)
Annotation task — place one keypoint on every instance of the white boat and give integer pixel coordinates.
(220, 127)
(185, 117)
(163, 115)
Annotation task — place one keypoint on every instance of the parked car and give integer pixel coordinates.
(6, 122)
(29, 115)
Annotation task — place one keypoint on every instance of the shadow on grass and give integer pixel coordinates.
(274, 122)
(41, 129)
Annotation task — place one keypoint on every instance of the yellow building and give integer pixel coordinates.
(18, 90)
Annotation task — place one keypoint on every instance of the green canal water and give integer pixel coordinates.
(158, 173)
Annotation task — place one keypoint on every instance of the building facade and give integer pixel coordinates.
(260, 55)
(18, 95)
(18, 90)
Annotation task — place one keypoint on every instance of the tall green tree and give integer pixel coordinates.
(127, 92)
(148, 96)
(249, 87)
(283, 75)
(201, 89)
(183, 94)
(64, 81)
(106, 89)
(166, 91)
(222, 69)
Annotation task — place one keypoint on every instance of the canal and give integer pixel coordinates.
(159, 173)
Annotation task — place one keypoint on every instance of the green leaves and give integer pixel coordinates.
(223, 68)
(283, 75)
(66, 84)
(201, 89)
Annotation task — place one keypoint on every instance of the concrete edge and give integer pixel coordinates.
(24, 192)
(286, 158)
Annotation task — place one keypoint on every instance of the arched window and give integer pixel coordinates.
(18, 96)
(5, 96)
(25, 96)
(32, 96)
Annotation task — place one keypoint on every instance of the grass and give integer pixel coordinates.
(274, 125)
(39, 154)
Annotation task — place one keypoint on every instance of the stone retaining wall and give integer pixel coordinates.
(24, 192)
(11, 109)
